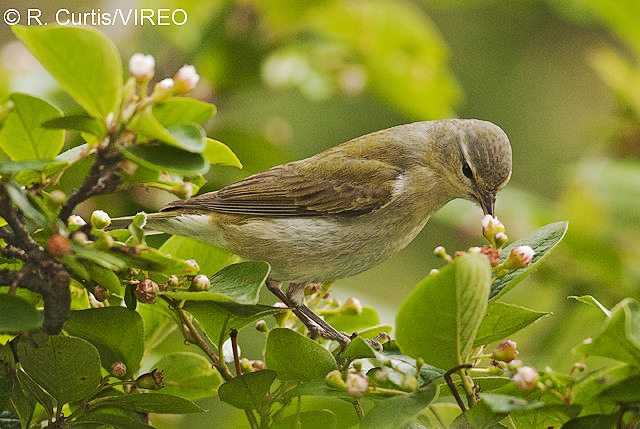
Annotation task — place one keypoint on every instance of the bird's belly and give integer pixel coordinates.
(317, 249)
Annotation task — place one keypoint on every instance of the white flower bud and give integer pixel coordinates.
(186, 79)
(142, 67)
(526, 378)
(357, 384)
(519, 257)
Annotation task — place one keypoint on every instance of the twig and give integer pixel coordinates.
(452, 387)
(234, 344)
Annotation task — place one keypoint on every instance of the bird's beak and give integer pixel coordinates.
(487, 202)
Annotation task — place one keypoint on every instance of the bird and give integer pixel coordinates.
(346, 209)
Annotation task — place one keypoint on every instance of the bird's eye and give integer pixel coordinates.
(466, 170)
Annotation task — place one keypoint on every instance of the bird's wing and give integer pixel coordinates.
(344, 185)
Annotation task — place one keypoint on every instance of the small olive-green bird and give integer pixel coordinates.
(349, 208)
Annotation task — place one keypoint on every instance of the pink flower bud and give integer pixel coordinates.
(142, 67)
(151, 380)
(185, 79)
(173, 281)
(519, 257)
(257, 365)
(194, 265)
(76, 220)
(118, 369)
(505, 352)
(147, 291)
(200, 283)
(357, 384)
(490, 227)
(526, 378)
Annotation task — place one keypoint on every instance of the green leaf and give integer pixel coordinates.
(66, 367)
(358, 348)
(502, 320)
(30, 211)
(211, 259)
(218, 318)
(296, 357)
(353, 322)
(13, 168)
(82, 123)
(248, 391)
(152, 402)
(441, 316)
(317, 388)
(316, 419)
(620, 338)
(589, 300)
(188, 375)
(218, 153)
(32, 390)
(393, 412)
(116, 332)
(84, 61)
(241, 282)
(104, 277)
(498, 403)
(542, 241)
(594, 421)
(624, 391)
(111, 420)
(162, 157)
(183, 110)
(587, 388)
(17, 314)
(189, 137)
(23, 138)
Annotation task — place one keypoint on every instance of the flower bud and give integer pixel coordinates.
(519, 257)
(128, 167)
(380, 377)
(311, 288)
(526, 378)
(282, 316)
(334, 379)
(173, 281)
(104, 242)
(58, 245)
(261, 326)
(434, 271)
(409, 383)
(500, 239)
(257, 365)
(79, 237)
(100, 219)
(497, 367)
(151, 380)
(492, 253)
(185, 79)
(165, 84)
(200, 283)
(357, 384)
(147, 291)
(76, 220)
(58, 197)
(142, 67)
(505, 352)
(351, 306)
(194, 265)
(118, 369)
(245, 365)
(490, 227)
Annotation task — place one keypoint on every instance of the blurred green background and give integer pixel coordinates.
(293, 77)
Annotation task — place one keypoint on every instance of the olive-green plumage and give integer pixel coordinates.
(347, 209)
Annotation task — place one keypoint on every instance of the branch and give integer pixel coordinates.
(102, 178)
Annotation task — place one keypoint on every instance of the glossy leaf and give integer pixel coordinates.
(189, 137)
(102, 419)
(152, 402)
(353, 322)
(13, 168)
(17, 314)
(590, 300)
(625, 391)
(594, 421)
(104, 277)
(162, 157)
(84, 61)
(105, 328)
(241, 282)
(218, 153)
(219, 317)
(502, 320)
(183, 110)
(86, 124)
(393, 412)
(358, 348)
(443, 333)
(66, 367)
(296, 357)
(211, 259)
(542, 241)
(248, 391)
(188, 375)
(620, 338)
(23, 138)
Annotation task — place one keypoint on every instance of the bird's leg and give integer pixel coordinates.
(316, 325)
